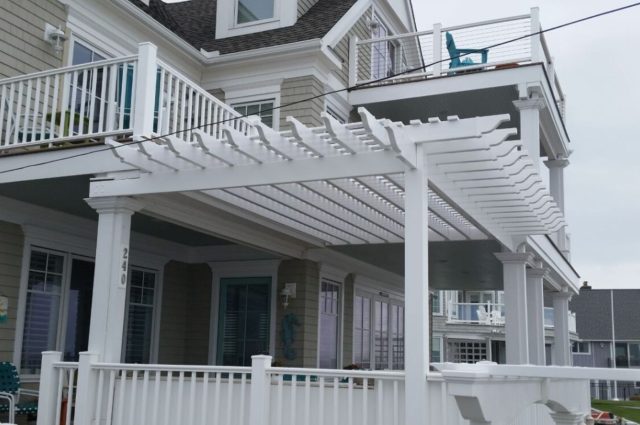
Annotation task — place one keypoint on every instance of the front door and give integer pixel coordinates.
(244, 320)
(78, 308)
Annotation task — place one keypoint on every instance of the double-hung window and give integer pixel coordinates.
(329, 323)
(142, 295)
(248, 11)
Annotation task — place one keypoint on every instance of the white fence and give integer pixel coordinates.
(110, 98)
(425, 54)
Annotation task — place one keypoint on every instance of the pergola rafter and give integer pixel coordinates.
(345, 183)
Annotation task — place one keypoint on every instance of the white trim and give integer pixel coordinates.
(346, 23)
(256, 95)
(221, 270)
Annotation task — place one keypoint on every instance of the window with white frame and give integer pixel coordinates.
(57, 310)
(436, 303)
(262, 108)
(378, 331)
(141, 304)
(580, 347)
(248, 11)
(383, 54)
(436, 349)
(329, 324)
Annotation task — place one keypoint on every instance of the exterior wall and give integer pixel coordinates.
(11, 244)
(304, 5)
(186, 308)
(305, 308)
(295, 90)
(21, 35)
(218, 93)
(362, 31)
(599, 357)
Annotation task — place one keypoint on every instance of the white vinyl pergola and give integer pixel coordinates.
(370, 182)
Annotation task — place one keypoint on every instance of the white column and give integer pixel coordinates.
(556, 187)
(145, 96)
(530, 125)
(535, 313)
(48, 393)
(561, 351)
(416, 278)
(110, 278)
(515, 305)
(86, 389)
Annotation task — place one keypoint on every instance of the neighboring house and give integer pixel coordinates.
(608, 328)
(180, 195)
(469, 326)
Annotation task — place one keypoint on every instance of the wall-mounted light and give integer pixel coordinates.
(289, 291)
(54, 36)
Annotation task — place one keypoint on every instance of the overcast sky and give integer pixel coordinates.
(598, 65)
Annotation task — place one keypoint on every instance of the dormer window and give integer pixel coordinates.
(254, 10)
(238, 17)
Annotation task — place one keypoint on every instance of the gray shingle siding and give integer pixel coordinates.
(593, 313)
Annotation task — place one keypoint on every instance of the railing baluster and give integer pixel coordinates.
(122, 98)
(336, 400)
(16, 120)
(294, 379)
(121, 399)
(11, 121)
(72, 105)
(143, 403)
(229, 399)
(156, 395)
(216, 400)
(111, 395)
(70, 398)
(168, 400)
(93, 97)
(307, 399)
(102, 98)
(3, 96)
(350, 400)
(279, 403)
(379, 389)
(396, 411)
(36, 110)
(204, 414)
(59, 398)
(112, 105)
(243, 384)
(133, 396)
(99, 395)
(365, 399)
(321, 401)
(180, 393)
(83, 100)
(27, 112)
(192, 398)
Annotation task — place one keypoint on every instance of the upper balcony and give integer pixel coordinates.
(89, 103)
(463, 70)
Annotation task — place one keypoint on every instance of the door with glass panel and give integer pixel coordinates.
(378, 332)
(244, 320)
(329, 324)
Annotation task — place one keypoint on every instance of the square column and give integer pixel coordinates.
(530, 125)
(515, 301)
(535, 315)
(556, 187)
(110, 277)
(561, 351)
(416, 278)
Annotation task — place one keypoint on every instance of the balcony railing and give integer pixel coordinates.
(492, 314)
(421, 55)
(102, 99)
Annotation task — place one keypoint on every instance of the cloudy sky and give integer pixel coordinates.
(598, 65)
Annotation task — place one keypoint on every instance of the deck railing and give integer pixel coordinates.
(424, 54)
(493, 314)
(130, 96)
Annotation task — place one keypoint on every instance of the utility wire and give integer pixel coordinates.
(348, 89)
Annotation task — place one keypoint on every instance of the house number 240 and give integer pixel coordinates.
(125, 266)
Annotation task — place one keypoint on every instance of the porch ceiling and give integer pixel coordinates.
(344, 184)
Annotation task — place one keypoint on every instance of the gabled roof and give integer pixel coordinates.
(195, 22)
(593, 314)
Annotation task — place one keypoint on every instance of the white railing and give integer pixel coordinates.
(476, 313)
(58, 390)
(68, 104)
(424, 54)
(134, 95)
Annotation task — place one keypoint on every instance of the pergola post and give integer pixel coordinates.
(110, 278)
(561, 352)
(530, 125)
(416, 278)
(515, 300)
(535, 313)
(556, 186)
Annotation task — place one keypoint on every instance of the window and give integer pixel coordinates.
(634, 354)
(436, 349)
(436, 303)
(329, 324)
(383, 55)
(254, 10)
(621, 354)
(84, 90)
(142, 293)
(580, 347)
(468, 351)
(42, 313)
(262, 108)
(378, 331)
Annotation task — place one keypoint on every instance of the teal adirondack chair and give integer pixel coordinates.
(454, 54)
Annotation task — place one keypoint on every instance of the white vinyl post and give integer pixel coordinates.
(536, 40)
(416, 283)
(556, 187)
(535, 313)
(145, 93)
(48, 393)
(86, 389)
(562, 353)
(111, 275)
(259, 400)
(437, 49)
(515, 300)
(530, 125)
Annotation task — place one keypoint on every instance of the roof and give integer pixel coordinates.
(593, 314)
(195, 22)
